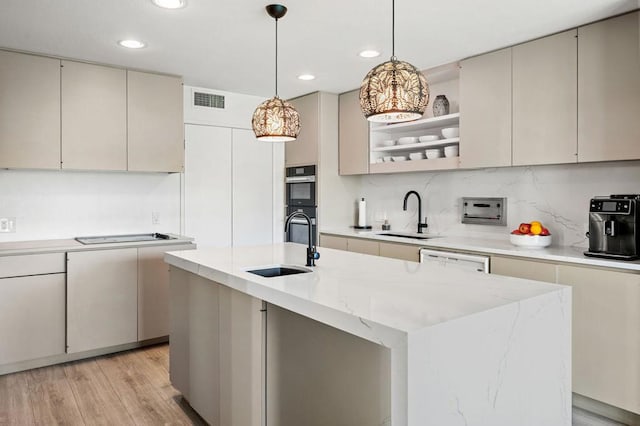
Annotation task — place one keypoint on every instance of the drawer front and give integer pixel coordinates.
(32, 264)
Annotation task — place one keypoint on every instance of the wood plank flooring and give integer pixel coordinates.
(128, 388)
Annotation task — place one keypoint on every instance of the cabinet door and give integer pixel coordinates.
(606, 334)
(207, 189)
(353, 136)
(527, 269)
(153, 290)
(252, 189)
(358, 245)
(102, 298)
(31, 317)
(29, 111)
(609, 89)
(94, 117)
(240, 354)
(485, 110)
(333, 242)
(155, 122)
(545, 100)
(400, 251)
(304, 150)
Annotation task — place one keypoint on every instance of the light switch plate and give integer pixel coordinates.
(7, 224)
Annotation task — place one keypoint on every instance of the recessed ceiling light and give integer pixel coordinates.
(132, 44)
(369, 53)
(306, 77)
(170, 4)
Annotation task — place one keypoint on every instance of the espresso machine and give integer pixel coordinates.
(613, 227)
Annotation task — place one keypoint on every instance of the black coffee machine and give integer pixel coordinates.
(613, 227)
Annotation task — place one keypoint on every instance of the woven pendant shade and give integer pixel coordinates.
(276, 120)
(394, 91)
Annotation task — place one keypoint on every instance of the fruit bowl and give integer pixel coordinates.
(530, 241)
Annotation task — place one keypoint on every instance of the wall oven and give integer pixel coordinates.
(301, 186)
(301, 196)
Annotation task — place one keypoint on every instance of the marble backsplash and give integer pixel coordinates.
(558, 196)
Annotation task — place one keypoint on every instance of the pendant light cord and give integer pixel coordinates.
(276, 57)
(393, 29)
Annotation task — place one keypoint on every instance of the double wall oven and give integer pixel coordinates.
(301, 196)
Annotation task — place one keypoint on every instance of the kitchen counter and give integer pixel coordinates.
(492, 245)
(69, 245)
(462, 344)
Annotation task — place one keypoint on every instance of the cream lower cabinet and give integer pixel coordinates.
(606, 326)
(216, 349)
(606, 334)
(153, 290)
(374, 247)
(102, 298)
(32, 314)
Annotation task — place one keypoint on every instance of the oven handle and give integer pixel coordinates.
(300, 179)
(302, 221)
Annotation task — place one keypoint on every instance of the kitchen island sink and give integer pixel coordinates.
(400, 235)
(279, 271)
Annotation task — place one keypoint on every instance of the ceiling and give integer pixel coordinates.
(229, 45)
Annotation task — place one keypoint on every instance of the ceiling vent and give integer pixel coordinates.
(208, 100)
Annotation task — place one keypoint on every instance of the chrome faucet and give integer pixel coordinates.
(312, 254)
(404, 207)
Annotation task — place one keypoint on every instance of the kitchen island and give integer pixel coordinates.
(465, 348)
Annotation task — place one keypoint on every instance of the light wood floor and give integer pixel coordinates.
(128, 388)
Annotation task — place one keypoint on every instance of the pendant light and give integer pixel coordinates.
(276, 120)
(394, 91)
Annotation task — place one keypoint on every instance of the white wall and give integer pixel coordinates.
(558, 196)
(57, 204)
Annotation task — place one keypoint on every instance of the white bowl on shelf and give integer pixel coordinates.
(388, 142)
(407, 140)
(400, 158)
(451, 132)
(387, 159)
(530, 241)
(451, 151)
(433, 153)
(416, 156)
(428, 138)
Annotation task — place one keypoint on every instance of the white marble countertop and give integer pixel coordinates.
(403, 296)
(457, 338)
(493, 245)
(13, 248)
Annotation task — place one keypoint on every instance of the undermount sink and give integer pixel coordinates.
(279, 271)
(412, 236)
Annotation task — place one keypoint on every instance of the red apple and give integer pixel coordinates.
(516, 232)
(524, 228)
(545, 232)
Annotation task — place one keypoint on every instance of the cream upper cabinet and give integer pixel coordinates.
(304, 150)
(353, 136)
(609, 89)
(606, 334)
(155, 123)
(94, 117)
(485, 110)
(29, 111)
(545, 100)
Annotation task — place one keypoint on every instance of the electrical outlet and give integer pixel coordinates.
(155, 218)
(7, 224)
